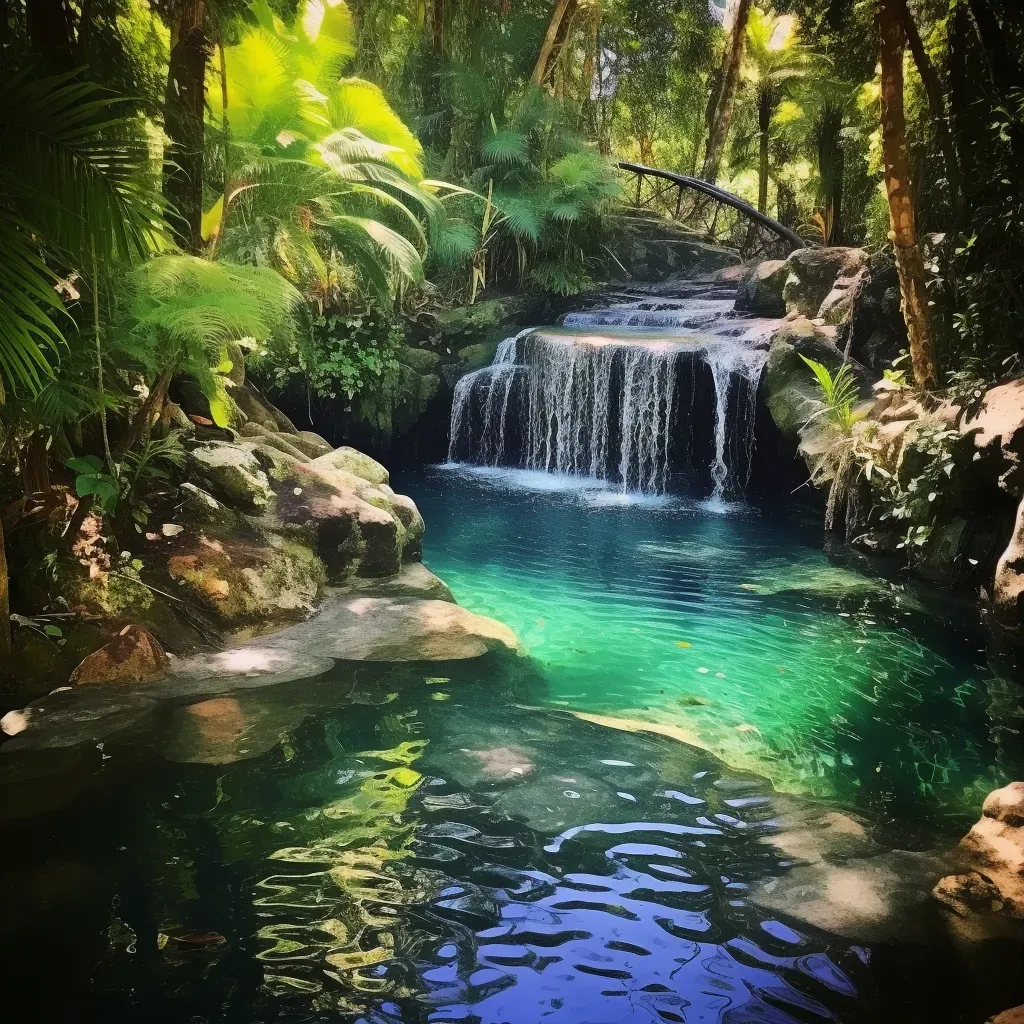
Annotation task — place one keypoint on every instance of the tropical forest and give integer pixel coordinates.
(512, 511)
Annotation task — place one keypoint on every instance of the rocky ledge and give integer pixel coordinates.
(276, 559)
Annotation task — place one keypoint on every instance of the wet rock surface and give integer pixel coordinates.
(995, 852)
(133, 656)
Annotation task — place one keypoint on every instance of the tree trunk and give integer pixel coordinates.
(718, 129)
(51, 33)
(901, 202)
(1002, 63)
(764, 123)
(540, 70)
(936, 102)
(184, 124)
(831, 169)
(5, 609)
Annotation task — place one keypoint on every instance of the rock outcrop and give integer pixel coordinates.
(133, 656)
(816, 275)
(760, 289)
(995, 850)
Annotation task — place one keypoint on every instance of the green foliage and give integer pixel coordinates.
(913, 494)
(549, 199)
(347, 355)
(324, 177)
(838, 393)
(74, 192)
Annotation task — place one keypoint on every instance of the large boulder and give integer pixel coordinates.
(997, 430)
(872, 328)
(811, 276)
(133, 656)
(760, 289)
(790, 390)
(1008, 584)
(231, 474)
(995, 848)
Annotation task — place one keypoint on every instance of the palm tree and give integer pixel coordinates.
(321, 171)
(773, 60)
(75, 193)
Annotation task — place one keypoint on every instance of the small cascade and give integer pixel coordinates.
(651, 395)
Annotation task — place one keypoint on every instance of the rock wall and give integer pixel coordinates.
(841, 305)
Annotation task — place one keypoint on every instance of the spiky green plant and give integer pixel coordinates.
(839, 394)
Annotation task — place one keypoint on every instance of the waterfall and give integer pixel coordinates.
(615, 405)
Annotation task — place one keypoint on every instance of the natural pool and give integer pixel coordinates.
(731, 625)
(453, 843)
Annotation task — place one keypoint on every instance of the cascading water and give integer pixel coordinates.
(638, 394)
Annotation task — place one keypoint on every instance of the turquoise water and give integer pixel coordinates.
(731, 627)
(493, 841)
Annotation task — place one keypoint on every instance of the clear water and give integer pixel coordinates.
(734, 628)
(453, 843)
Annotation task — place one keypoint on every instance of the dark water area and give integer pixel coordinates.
(454, 843)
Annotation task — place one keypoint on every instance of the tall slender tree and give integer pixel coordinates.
(720, 118)
(774, 59)
(901, 201)
(543, 66)
(936, 103)
(184, 121)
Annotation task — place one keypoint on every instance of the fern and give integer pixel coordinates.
(506, 147)
(839, 393)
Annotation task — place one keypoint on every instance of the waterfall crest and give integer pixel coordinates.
(645, 398)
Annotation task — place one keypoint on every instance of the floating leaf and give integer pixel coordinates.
(683, 644)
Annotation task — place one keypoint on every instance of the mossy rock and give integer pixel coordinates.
(422, 360)
(790, 389)
(232, 474)
(241, 581)
(477, 356)
(352, 461)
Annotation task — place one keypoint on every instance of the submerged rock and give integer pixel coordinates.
(995, 849)
(228, 729)
(133, 656)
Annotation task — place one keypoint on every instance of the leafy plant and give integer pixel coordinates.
(346, 355)
(838, 392)
(916, 501)
(74, 193)
(322, 175)
(180, 314)
(91, 478)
